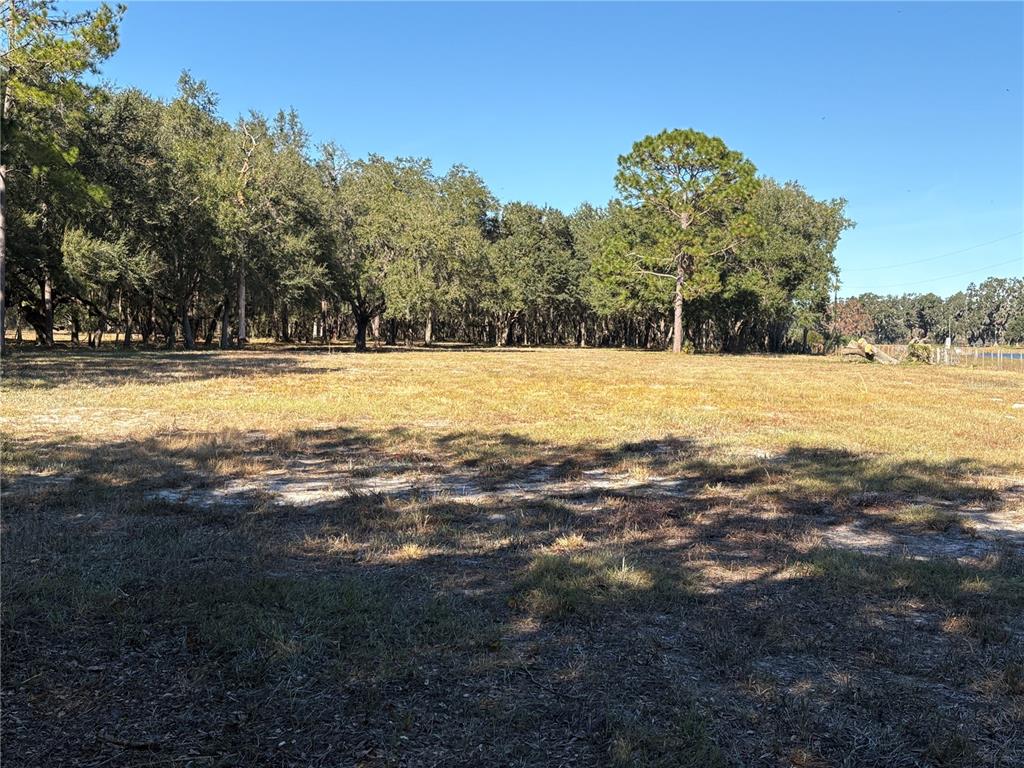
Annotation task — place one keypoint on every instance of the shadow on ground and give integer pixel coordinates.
(336, 597)
(40, 367)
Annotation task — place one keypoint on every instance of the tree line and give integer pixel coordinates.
(160, 222)
(989, 312)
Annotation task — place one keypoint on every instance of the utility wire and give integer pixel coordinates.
(946, 277)
(935, 258)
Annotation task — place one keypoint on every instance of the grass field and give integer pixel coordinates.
(509, 557)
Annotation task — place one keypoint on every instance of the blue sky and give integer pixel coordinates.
(912, 112)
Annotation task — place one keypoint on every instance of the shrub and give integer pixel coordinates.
(918, 351)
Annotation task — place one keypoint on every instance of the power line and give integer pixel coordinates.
(947, 277)
(935, 258)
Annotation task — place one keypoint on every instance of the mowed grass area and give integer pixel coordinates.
(509, 557)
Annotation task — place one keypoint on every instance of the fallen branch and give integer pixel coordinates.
(128, 744)
(865, 350)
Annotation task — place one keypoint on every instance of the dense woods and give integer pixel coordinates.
(162, 223)
(158, 222)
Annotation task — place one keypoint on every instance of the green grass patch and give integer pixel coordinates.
(584, 583)
(926, 517)
(351, 625)
(683, 740)
(998, 585)
(165, 579)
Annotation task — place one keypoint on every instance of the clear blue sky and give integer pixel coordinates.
(913, 112)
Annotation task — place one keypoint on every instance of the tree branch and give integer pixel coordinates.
(656, 274)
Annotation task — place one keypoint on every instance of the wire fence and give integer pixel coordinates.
(997, 358)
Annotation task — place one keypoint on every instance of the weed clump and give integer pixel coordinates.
(919, 351)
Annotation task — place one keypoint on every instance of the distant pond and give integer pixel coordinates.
(1003, 355)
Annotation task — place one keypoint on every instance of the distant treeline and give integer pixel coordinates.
(162, 223)
(990, 312)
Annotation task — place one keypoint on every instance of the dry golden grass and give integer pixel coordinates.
(567, 397)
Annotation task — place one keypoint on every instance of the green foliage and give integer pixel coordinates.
(155, 162)
(532, 266)
(96, 266)
(405, 233)
(150, 214)
(753, 257)
(43, 106)
(613, 285)
(789, 268)
(691, 192)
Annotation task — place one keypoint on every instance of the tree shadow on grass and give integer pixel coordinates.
(652, 603)
(50, 368)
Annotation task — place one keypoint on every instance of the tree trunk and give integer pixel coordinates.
(47, 309)
(375, 330)
(211, 329)
(225, 328)
(677, 313)
(286, 335)
(3, 255)
(241, 306)
(361, 322)
(186, 329)
(6, 109)
(151, 325)
(428, 331)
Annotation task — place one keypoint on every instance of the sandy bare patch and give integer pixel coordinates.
(312, 483)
